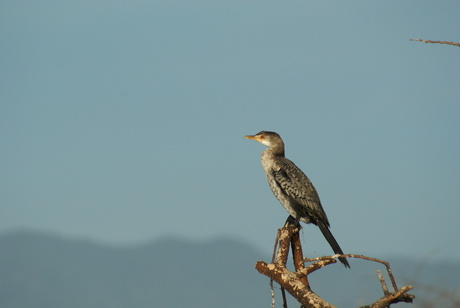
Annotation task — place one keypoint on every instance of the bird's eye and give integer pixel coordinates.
(262, 136)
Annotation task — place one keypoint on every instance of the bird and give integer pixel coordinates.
(293, 188)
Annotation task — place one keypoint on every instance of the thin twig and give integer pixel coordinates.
(283, 294)
(436, 42)
(382, 283)
(272, 290)
(387, 265)
(396, 297)
(276, 245)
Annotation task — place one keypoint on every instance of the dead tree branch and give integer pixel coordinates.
(296, 283)
(393, 298)
(437, 42)
(332, 260)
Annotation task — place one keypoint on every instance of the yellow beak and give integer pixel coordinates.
(257, 138)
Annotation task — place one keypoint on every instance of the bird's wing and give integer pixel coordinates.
(296, 185)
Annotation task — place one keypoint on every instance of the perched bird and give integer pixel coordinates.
(292, 187)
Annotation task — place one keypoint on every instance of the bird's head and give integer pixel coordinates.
(270, 139)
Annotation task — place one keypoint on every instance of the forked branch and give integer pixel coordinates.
(296, 283)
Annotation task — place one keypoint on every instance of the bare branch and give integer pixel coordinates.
(436, 42)
(387, 265)
(297, 255)
(290, 281)
(317, 265)
(283, 246)
(296, 283)
(382, 283)
(393, 298)
(272, 289)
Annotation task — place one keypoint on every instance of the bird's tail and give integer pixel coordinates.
(331, 240)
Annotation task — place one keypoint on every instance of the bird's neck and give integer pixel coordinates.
(275, 151)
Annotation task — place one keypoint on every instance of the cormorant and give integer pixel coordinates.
(292, 187)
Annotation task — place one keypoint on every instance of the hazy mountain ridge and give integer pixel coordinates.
(42, 270)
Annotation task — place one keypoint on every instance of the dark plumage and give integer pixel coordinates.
(293, 188)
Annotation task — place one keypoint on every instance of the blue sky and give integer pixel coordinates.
(123, 121)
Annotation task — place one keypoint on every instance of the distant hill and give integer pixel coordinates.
(41, 270)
